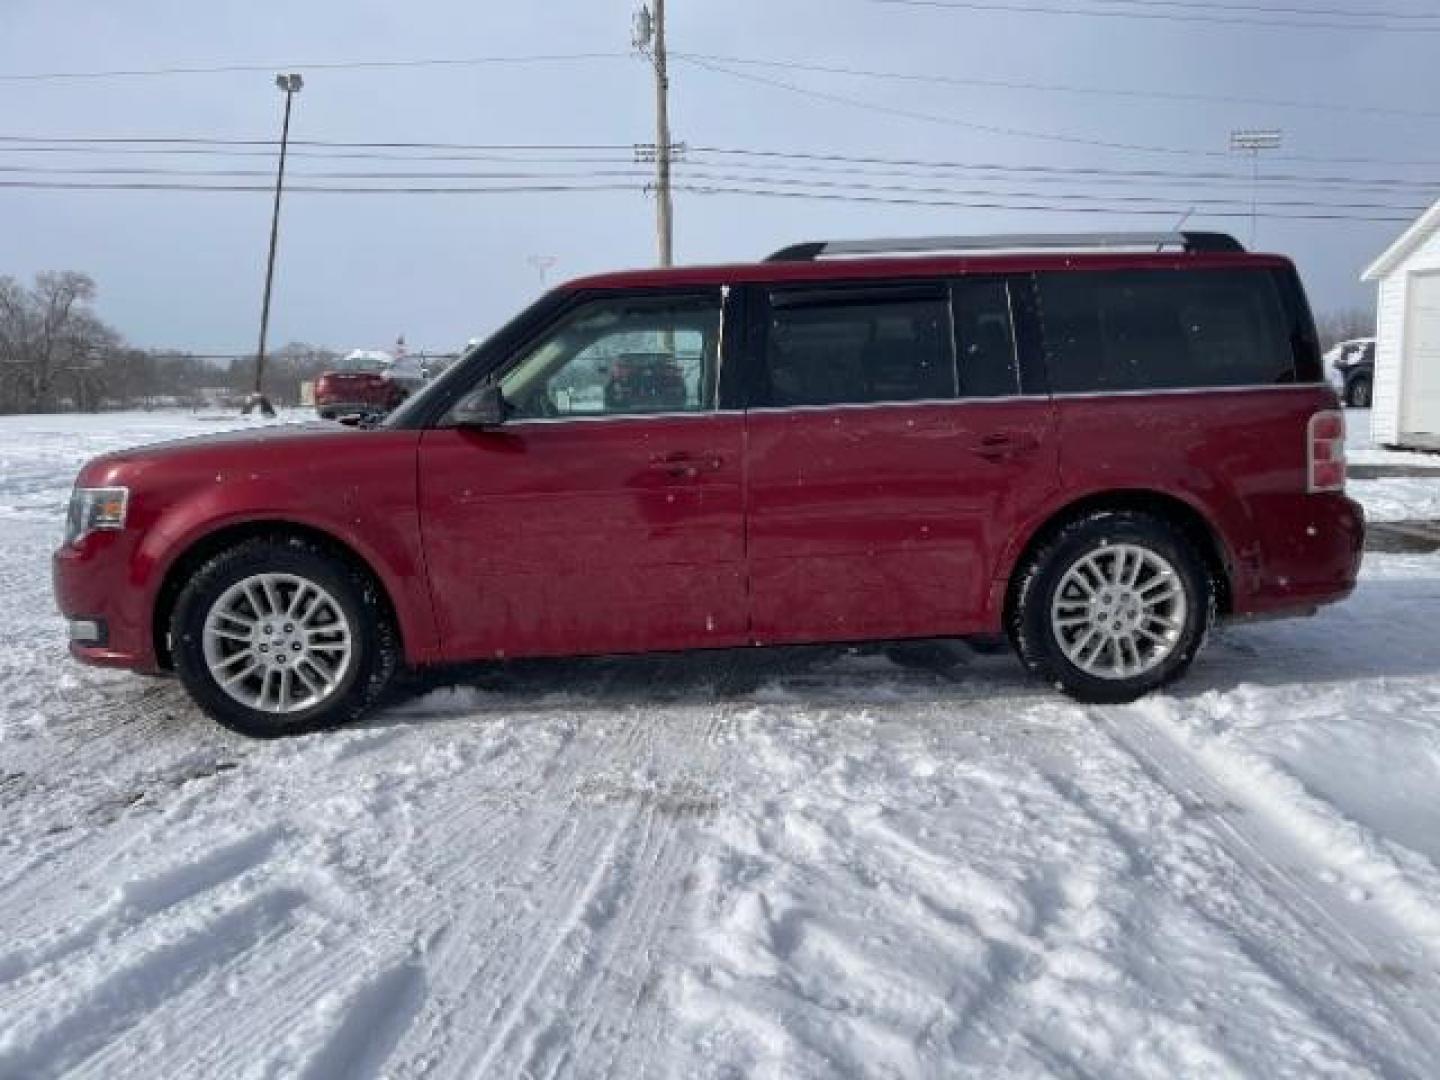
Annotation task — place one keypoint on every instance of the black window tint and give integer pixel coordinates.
(857, 350)
(985, 339)
(1164, 329)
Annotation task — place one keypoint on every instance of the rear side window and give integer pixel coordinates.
(836, 347)
(1166, 329)
(985, 338)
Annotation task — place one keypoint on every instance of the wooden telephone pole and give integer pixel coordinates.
(650, 40)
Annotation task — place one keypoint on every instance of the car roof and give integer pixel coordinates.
(929, 266)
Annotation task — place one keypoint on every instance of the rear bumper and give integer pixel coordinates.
(1309, 555)
(92, 582)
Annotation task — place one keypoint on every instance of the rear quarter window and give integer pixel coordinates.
(1172, 329)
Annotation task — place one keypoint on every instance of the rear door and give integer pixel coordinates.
(891, 451)
(605, 514)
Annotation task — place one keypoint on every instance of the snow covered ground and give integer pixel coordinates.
(1360, 449)
(798, 863)
(1391, 498)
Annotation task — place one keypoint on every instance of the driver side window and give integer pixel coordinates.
(621, 357)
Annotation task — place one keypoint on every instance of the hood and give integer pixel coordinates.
(267, 435)
(294, 447)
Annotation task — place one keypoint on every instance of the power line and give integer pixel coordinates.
(949, 121)
(1027, 207)
(320, 189)
(1024, 133)
(201, 140)
(1108, 198)
(1060, 173)
(794, 65)
(1166, 16)
(313, 65)
(982, 201)
(409, 151)
(1349, 13)
(1009, 84)
(696, 171)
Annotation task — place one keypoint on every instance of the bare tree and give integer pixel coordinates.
(51, 341)
(1345, 324)
(57, 354)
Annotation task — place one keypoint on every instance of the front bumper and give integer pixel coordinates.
(93, 583)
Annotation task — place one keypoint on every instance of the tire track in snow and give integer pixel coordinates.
(578, 892)
(493, 940)
(1260, 852)
(637, 915)
(369, 1023)
(65, 1030)
(140, 899)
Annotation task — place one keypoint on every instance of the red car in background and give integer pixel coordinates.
(1095, 445)
(362, 384)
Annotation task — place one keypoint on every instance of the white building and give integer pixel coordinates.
(1407, 325)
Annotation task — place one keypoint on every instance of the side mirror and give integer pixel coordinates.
(482, 408)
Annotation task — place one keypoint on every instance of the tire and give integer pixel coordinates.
(1358, 393)
(338, 640)
(1164, 615)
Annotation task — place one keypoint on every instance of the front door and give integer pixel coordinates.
(891, 452)
(605, 514)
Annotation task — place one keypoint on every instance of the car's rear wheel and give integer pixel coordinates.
(1358, 393)
(278, 637)
(1112, 606)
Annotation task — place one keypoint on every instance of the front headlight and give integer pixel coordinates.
(92, 509)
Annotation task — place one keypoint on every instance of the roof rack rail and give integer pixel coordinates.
(1186, 241)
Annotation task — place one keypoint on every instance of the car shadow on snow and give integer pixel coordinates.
(1384, 631)
(823, 675)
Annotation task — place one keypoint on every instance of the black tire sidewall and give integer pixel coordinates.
(1040, 648)
(1360, 390)
(356, 689)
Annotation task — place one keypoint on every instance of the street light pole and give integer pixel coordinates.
(289, 85)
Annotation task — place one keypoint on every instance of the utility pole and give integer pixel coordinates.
(650, 41)
(289, 85)
(1252, 142)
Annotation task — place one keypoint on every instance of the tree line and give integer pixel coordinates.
(58, 355)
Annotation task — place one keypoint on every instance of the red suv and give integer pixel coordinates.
(358, 385)
(1095, 445)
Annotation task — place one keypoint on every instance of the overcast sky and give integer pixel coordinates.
(185, 269)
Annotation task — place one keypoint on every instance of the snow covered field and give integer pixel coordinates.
(799, 863)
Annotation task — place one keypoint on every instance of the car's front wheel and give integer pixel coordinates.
(276, 636)
(1112, 606)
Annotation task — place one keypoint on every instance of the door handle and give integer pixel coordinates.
(1004, 445)
(685, 466)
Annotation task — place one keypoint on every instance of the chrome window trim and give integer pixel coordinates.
(927, 402)
(1014, 332)
(924, 402)
(597, 418)
(1248, 388)
(714, 403)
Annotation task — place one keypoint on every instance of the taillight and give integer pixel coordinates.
(1325, 451)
